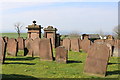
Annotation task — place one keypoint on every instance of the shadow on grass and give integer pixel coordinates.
(113, 63)
(17, 77)
(20, 63)
(113, 72)
(72, 61)
(21, 59)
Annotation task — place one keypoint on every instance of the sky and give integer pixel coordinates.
(67, 17)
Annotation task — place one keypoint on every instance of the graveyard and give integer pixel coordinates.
(35, 55)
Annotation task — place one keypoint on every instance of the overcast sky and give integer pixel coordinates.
(85, 17)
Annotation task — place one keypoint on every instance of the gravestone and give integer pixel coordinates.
(75, 44)
(66, 43)
(85, 44)
(116, 51)
(2, 50)
(61, 54)
(46, 52)
(12, 47)
(35, 46)
(97, 59)
(21, 43)
(28, 47)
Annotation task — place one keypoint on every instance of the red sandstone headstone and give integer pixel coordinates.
(116, 50)
(61, 54)
(66, 43)
(21, 43)
(12, 47)
(35, 46)
(75, 44)
(99, 40)
(2, 50)
(46, 52)
(28, 47)
(85, 44)
(97, 59)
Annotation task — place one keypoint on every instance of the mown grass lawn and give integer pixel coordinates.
(32, 67)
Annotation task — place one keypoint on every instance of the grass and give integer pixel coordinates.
(13, 35)
(32, 67)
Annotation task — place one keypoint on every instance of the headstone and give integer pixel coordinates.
(28, 47)
(85, 44)
(21, 43)
(97, 60)
(80, 43)
(2, 50)
(116, 51)
(75, 44)
(35, 46)
(46, 52)
(61, 54)
(66, 43)
(12, 47)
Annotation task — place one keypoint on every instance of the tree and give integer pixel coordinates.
(18, 27)
(117, 31)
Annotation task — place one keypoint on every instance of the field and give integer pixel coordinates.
(32, 67)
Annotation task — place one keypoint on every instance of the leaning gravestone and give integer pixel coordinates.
(21, 43)
(61, 54)
(12, 47)
(2, 50)
(97, 60)
(66, 43)
(46, 52)
(75, 44)
(28, 51)
(35, 46)
(85, 44)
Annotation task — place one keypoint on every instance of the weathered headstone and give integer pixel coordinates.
(99, 40)
(28, 47)
(85, 44)
(75, 44)
(116, 51)
(61, 54)
(12, 47)
(46, 52)
(66, 43)
(21, 43)
(97, 60)
(35, 46)
(2, 50)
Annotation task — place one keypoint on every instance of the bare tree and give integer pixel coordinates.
(117, 31)
(74, 35)
(18, 27)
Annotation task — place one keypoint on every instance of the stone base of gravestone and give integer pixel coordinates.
(45, 48)
(75, 44)
(97, 60)
(66, 43)
(61, 54)
(12, 47)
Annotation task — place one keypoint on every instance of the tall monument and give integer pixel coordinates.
(34, 30)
